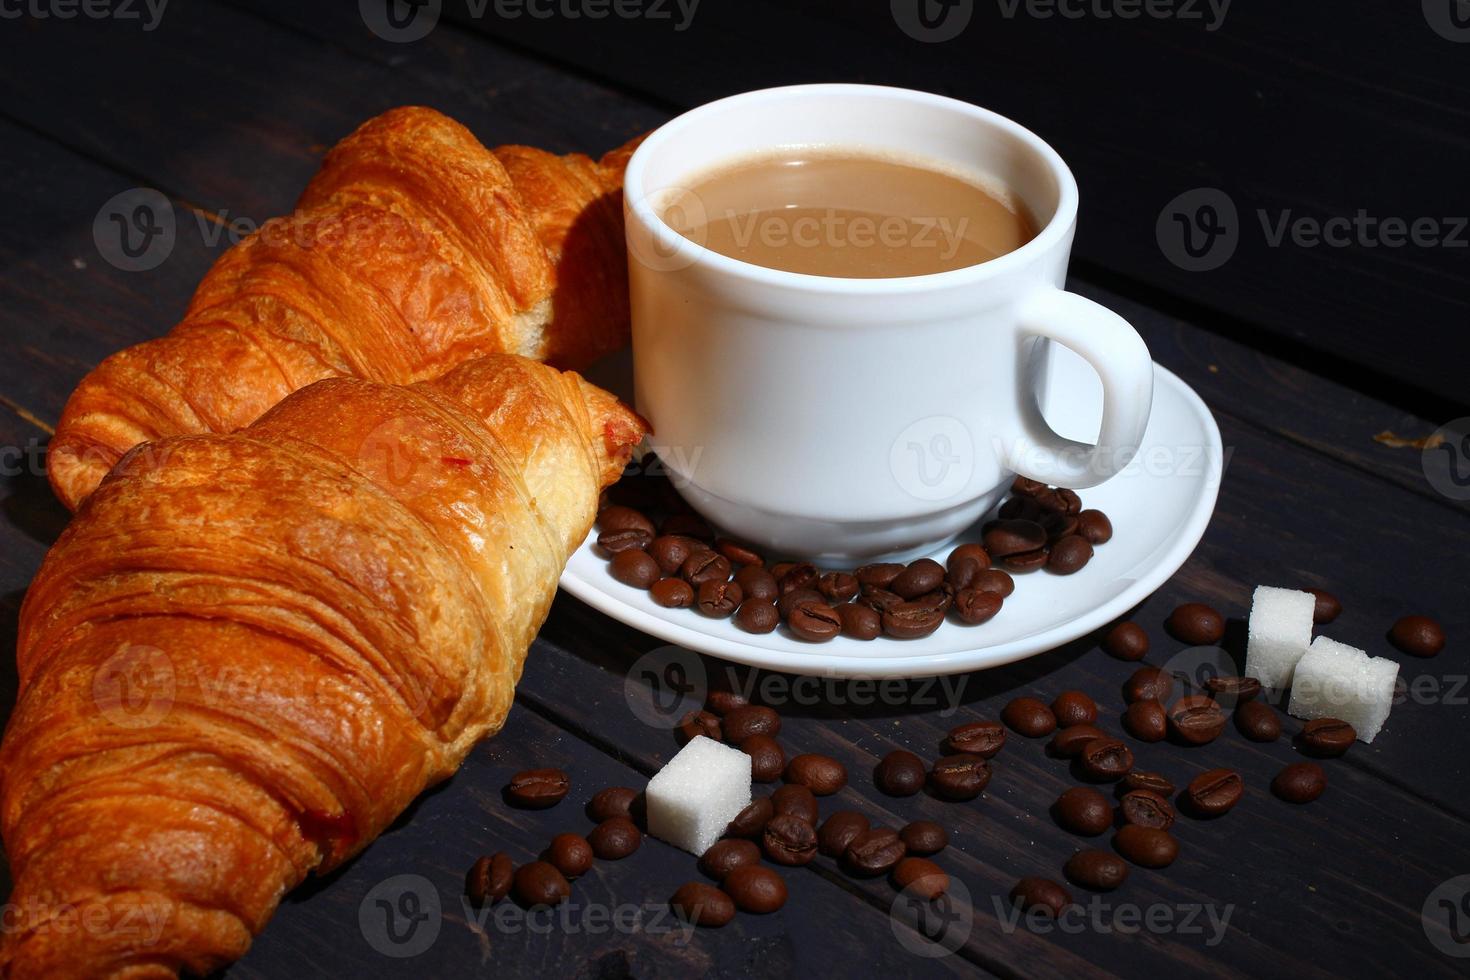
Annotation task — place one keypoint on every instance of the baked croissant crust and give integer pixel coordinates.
(248, 653)
(413, 250)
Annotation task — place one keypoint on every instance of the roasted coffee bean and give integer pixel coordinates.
(974, 607)
(821, 774)
(1213, 793)
(757, 583)
(719, 600)
(537, 789)
(1327, 738)
(1230, 690)
(1020, 507)
(839, 830)
(570, 854)
(789, 840)
(802, 575)
(874, 851)
(961, 573)
(620, 518)
(919, 578)
(748, 720)
(960, 777)
(1069, 554)
(1152, 781)
(1013, 537)
(1074, 708)
(797, 801)
(755, 889)
(1126, 641)
(704, 566)
(489, 880)
(540, 884)
(617, 542)
(751, 822)
(920, 877)
(860, 622)
(1148, 684)
(780, 569)
(1146, 809)
(767, 759)
(1300, 782)
(787, 604)
(615, 838)
(672, 593)
(738, 553)
(879, 600)
(924, 837)
(1040, 895)
(814, 621)
(838, 586)
(994, 580)
(1027, 487)
(878, 575)
(1105, 759)
(1197, 719)
(1327, 608)
(1146, 847)
(900, 773)
(1196, 624)
(1257, 721)
(1029, 717)
(1059, 499)
(697, 723)
(1096, 870)
(1146, 721)
(1095, 526)
(722, 702)
(703, 905)
(1418, 636)
(671, 551)
(757, 616)
(634, 568)
(940, 599)
(967, 552)
(1059, 525)
(1083, 810)
(912, 620)
(1068, 742)
(615, 801)
(1026, 561)
(982, 738)
(689, 525)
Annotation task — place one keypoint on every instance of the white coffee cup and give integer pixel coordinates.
(850, 419)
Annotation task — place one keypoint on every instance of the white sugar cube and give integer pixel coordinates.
(1335, 680)
(693, 798)
(1279, 633)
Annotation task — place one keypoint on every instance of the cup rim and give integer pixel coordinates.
(1047, 238)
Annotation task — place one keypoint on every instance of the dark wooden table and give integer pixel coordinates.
(226, 108)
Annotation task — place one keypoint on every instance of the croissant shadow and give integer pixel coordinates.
(32, 509)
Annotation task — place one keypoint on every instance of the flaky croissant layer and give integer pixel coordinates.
(250, 652)
(413, 250)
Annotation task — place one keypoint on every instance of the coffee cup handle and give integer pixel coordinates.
(1120, 358)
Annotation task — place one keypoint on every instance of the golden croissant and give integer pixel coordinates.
(249, 652)
(412, 250)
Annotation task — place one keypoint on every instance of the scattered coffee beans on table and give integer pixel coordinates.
(755, 889)
(1083, 810)
(1041, 895)
(489, 879)
(1146, 847)
(1327, 738)
(1214, 793)
(900, 773)
(1257, 721)
(1029, 717)
(703, 905)
(1418, 636)
(1096, 870)
(537, 789)
(1300, 782)
(1196, 624)
(1126, 641)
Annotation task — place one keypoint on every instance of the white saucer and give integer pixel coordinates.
(1159, 507)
